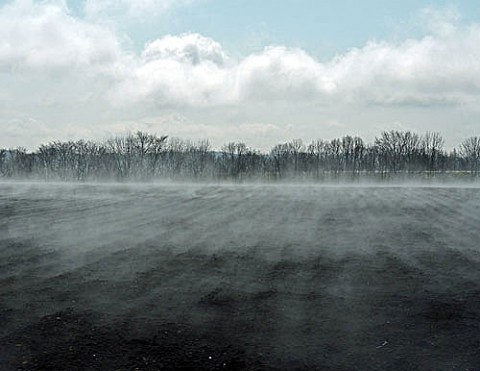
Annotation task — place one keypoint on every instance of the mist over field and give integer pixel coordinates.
(239, 185)
(239, 277)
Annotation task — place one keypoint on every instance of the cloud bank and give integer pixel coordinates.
(84, 60)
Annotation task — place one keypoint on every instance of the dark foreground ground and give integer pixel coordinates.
(239, 278)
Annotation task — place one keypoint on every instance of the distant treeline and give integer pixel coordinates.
(142, 156)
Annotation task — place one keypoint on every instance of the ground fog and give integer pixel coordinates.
(239, 277)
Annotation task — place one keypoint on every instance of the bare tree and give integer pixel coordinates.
(358, 154)
(335, 155)
(21, 162)
(3, 162)
(234, 157)
(318, 150)
(432, 147)
(145, 156)
(470, 149)
(399, 151)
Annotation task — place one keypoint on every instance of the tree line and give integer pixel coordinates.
(142, 156)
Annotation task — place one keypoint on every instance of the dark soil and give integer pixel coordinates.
(247, 278)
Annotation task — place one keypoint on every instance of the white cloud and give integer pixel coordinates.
(191, 48)
(442, 22)
(130, 8)
(52, 60)
(430, 70)
(194, 70)
(282, 73)
(190, 70)
(46, 37)
(185, 70)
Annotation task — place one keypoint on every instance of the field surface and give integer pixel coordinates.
(247, 277)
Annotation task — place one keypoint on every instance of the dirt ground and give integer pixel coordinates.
(248, 277)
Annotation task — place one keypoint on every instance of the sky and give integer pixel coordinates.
(261, 72)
